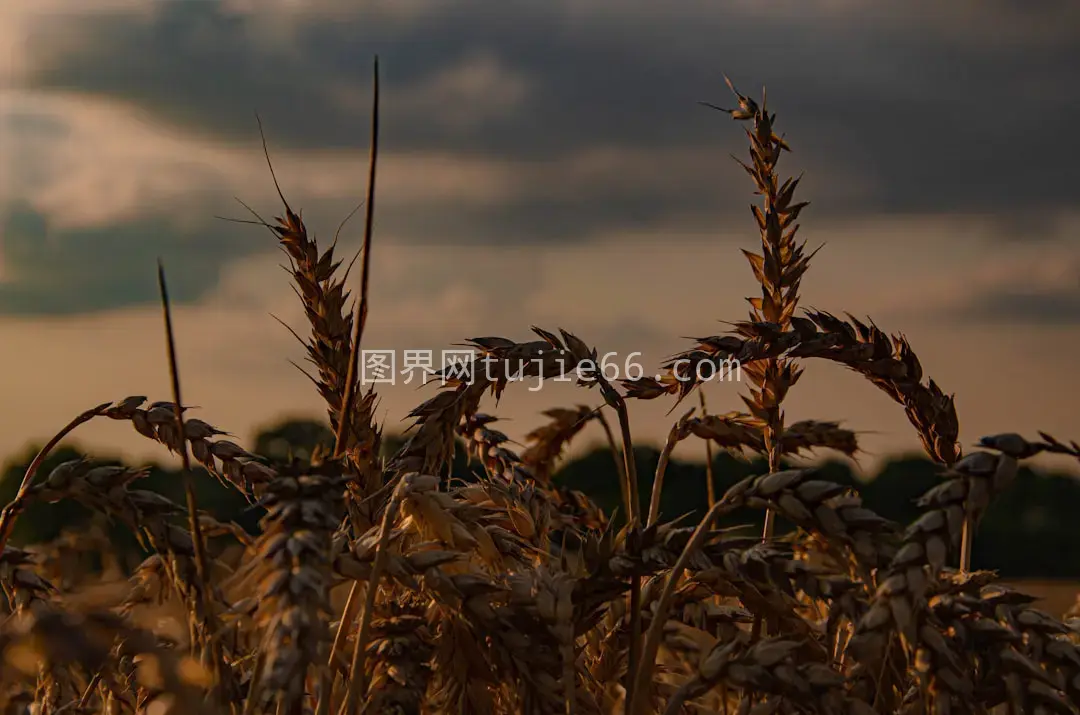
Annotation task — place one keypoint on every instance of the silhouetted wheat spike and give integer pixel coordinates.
(778, 269)
(208, 625)
(887, 362)
(334, 329)
(547, 442)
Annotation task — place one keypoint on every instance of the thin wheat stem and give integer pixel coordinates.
(966, 538)
(360, 317)
(359, 322)
(642, 673)
(357, 686)
(710, 479)
(213, 651)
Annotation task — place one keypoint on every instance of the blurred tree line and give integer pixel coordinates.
(1028, 533)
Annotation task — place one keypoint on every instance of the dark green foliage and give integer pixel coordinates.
(1030, 532)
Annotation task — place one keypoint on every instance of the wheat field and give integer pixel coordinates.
(381, 586)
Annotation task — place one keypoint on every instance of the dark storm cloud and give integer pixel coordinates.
(1050, 307)
(935, 110)
(71, 271)
(905, 110)
(85, 270)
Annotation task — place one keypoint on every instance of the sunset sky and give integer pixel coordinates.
(542, 163)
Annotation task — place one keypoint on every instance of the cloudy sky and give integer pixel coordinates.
(541, 163)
